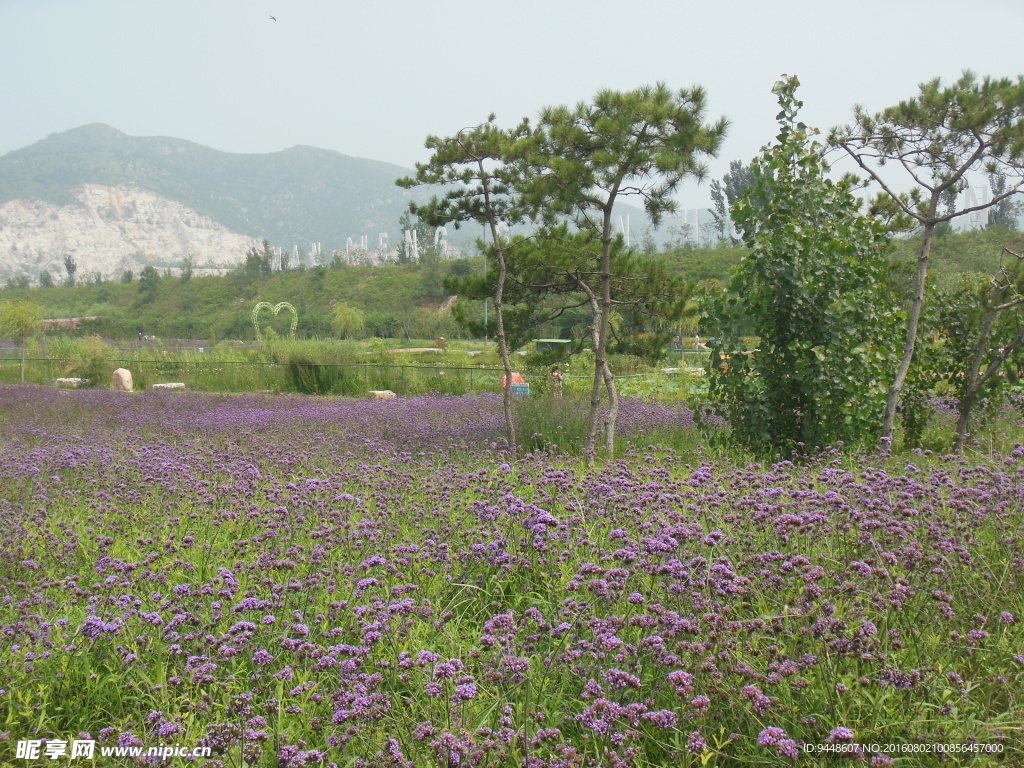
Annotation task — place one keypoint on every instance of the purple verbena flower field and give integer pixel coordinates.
(301, 581)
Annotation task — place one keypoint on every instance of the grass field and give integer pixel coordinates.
(294, 581)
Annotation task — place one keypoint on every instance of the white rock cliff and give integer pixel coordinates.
(111, 230)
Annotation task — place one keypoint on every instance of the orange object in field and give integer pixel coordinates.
(516, 379)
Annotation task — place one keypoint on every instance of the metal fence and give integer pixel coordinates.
(219, 376)
(309, 378)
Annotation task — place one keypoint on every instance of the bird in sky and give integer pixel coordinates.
(273, 18)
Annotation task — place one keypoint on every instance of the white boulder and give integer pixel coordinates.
(122, 380)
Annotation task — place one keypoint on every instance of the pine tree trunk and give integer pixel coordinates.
(606, 317)
(896, 389)
(963, 421)
(506, 394)
(973, 384)
(976, 379)
(613, 410)
(590, 446)
(601, 308)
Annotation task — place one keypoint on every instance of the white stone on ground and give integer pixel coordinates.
(122, 380)
(72, 383)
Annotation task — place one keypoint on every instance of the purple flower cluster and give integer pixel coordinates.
(382, 580)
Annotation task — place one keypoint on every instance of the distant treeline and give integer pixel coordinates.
(397, 300)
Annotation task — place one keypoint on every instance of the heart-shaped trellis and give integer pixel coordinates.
(275, 308)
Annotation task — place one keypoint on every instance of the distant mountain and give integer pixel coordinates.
(115, 202)
(299, 196)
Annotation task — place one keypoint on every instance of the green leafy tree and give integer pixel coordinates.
(71, 267)
(19, 322)
(719, 211)
(552, 281)
(581, 161)
(258, 261)
(149, 282)
(726, 192)
(1004, 214)
(983, 328)
(810, 291)
(21, 281)
(947, 200)
(45, 279)
(382, 323)
(348, 321)
(533, 295)
(937, 138)
(188, 265)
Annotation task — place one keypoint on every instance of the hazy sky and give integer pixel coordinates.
(373, 79)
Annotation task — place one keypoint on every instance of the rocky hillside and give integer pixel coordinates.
(114, 201)
(109, 230)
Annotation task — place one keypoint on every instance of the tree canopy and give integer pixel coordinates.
(20, 321)
(581, 161)
(810, 291)
(937, 138)
(566, 175)
(477, 167)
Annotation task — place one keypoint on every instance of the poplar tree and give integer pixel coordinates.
(810, 290)
(724, 194)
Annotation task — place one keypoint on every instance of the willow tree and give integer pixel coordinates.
(475, 166)
(580, 162)
(936, 139)
(19, 322)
